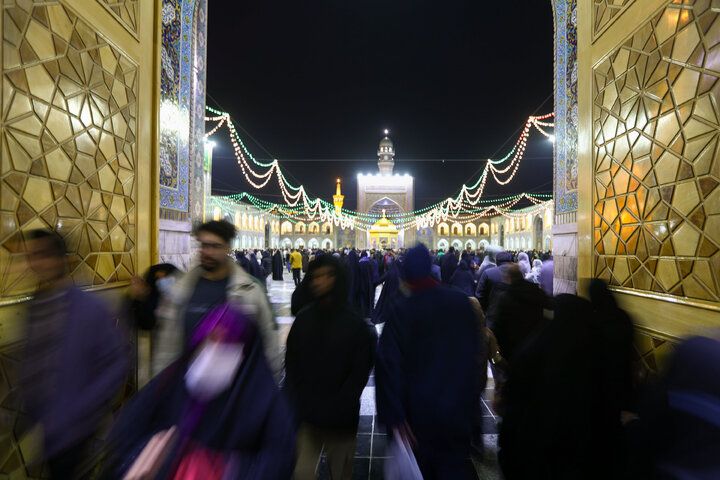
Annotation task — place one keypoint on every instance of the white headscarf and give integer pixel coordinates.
(535, 274)
(524, 263)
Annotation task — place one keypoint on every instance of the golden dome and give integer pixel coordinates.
(384, 225)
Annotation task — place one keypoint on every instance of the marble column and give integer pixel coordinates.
(175, 243)
(565, 257)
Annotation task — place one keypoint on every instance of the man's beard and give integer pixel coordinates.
(210, 267)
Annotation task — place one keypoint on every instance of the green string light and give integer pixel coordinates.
(358, 217)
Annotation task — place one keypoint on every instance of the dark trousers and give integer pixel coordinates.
(447, 465)
(296, 275)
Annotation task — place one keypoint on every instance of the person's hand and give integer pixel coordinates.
(404, 431)
(139, 289)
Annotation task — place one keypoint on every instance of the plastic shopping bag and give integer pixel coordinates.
(153, 456)
(401, 464)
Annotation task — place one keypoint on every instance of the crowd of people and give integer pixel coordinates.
(226, 402)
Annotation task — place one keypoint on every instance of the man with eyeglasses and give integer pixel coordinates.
(216, 280)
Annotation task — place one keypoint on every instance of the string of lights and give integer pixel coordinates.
(293, 196)
(296, 214)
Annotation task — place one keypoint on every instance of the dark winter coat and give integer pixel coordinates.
(427, 367)
(329, 357)
(462, 279)
(277, 266)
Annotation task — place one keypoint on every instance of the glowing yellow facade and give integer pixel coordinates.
(383, 234)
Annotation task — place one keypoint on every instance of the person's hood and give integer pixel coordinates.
(417, 263)
(341, 288)
(523, 256)
(463, 265)
(502, 258)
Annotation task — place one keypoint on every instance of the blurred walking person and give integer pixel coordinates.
(296, 265)
(277, 266)
(448, 264)
(462, 279)
(75, 361)
(490, 279)
(216, 280)
(328, 362)
(516, 315)
(266, 264)
(367, 278)
(555, 398)
(220, 405)
(427, 372)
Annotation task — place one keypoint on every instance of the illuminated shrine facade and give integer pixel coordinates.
(388, 191)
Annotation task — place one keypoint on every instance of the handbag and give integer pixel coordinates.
(153, 456)
(401, 463)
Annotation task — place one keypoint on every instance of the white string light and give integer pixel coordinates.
(466, 199)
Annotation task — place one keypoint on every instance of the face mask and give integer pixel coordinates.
(164, 284)
(213, 370)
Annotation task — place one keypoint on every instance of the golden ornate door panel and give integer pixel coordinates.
(649, 208)
(78, 144)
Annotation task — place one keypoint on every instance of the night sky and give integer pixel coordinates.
(314, 83)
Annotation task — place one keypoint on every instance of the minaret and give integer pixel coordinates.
(338, 198)
(386, 152)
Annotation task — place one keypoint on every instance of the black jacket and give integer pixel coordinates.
(489, 280)
(329, 357)
(516, 315)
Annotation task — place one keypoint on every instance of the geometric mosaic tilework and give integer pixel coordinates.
(565, 172)
(197, 129)
(181, 49)
(651, 356)
(125, 11)
(68, 144)
(605, 11)
(656, 169)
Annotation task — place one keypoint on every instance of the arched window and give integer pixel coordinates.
(443, 229)
(457, 229)
(300, 227)
(286, 227)
(470, 229)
